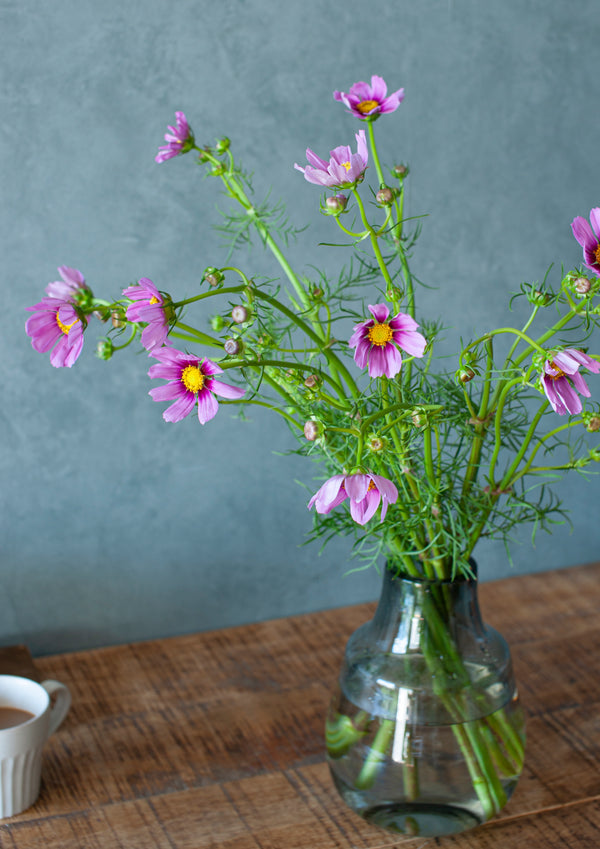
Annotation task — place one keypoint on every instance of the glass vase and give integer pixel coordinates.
(425, 735)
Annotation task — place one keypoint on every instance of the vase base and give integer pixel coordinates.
(421, 820)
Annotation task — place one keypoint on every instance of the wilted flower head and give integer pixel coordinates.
(149, 307)
(344, 168)
(560, 378)
(589, 239)
(369, 101)
(365, 491)
(190, 383)
(180, 139)
(377, 341)
(56, 323)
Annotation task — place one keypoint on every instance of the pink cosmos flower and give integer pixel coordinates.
(377, 341)
(344, 168)
(365, 491)
(370, 101)
(190, 383)
(148, 307)
(180, 139)
(589, 239)
(55, 324)
(561, 378)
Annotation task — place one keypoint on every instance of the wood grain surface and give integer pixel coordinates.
(215, 739)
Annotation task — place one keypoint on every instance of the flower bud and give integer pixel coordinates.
(313, 430)
(217, 323)
(591, 421)
(400, 171)
(595, 455)
(312, 381)
(240, 314)
(217, 170)
(539, 298)
(582, 285)
(118, 319)
(376, 444)
(385, 196)
(335, 205)
(104, 349)
(213, 276)
(233, 347)
(464, 375)
(222, 145)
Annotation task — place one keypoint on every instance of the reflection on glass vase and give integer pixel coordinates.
(425, 734)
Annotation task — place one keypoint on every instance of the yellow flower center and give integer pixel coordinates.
(192, 378)
(380, 334)
(65, 327)
(557, 372)
(371, 486)
(366, 105)
(346, 165)
(154, 300)
(597, 253)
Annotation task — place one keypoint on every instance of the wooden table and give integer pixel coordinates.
(215, 739)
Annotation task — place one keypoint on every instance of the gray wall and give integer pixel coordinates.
(117, 526)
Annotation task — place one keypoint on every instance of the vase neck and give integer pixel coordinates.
(403, 613)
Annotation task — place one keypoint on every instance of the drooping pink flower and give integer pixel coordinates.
(149, 307)
(377, 341)
(56, 324)
(365, 491)
(561, 378)
(180, 139)
(190, 383)
(369, 101)
(344, 168)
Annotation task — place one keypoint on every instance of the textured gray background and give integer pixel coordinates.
(118, 526)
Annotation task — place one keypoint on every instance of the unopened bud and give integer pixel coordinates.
(376, 444)
(313, 430)
(582, 285)
(233, 347)
(217, 322)
(222, 145)
(317, 293)
(591, 422)
(595, 455)
(213, 276)
(217, 170)
(465, 375)
(312, 381)
(385, 196)
(400, 171)
(336, 204)
(104, 349)
(539, 298)
(239, 314)
(117, 319)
